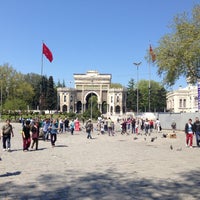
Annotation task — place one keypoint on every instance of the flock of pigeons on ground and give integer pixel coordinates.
(152, 139)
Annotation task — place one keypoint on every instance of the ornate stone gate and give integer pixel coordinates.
(110, 100)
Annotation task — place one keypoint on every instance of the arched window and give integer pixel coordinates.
(117, 109)
(111, 109)
(117, 99)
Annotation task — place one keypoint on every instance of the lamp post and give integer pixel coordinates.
(2, 79)
(137, 65)
(1, 100)
(91, 102)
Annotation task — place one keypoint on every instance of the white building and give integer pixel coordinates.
(183, 99)
(110, 100)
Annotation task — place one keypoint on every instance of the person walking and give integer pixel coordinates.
(26, 136)
(7, 131)
(53, 132)
(0, 139)
(123, 127)
(71, 125)
(110, 127)
(133, 122)
(189, 131)
(61, 125)
(89, 128)
(197, 131)
(66, 123)
(146, 126)
(35, 135)
(158, 125)
(45, 128)
(173, 125)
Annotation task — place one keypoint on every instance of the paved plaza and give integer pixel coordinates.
(119, 167)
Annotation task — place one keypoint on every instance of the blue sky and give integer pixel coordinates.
(103, 35)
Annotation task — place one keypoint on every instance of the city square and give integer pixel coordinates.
(116, 167)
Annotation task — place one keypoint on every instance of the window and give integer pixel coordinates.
(180, 103)
(64, 98)
(196, 101)
(184, 103)
(117, 99)
(111, 99)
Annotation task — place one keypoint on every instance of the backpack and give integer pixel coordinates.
(88, 126)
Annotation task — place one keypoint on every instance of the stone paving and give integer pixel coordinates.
(108, 168)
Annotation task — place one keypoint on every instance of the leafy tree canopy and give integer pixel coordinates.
(178, 53)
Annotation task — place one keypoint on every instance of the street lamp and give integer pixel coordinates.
(91, 102)
(1, 99)
(2, 79)
(137, 65)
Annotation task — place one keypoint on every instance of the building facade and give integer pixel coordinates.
(183, 100)
(110, 100)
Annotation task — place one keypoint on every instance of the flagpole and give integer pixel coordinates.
(41, 84)
(149, 85)
(42, 61)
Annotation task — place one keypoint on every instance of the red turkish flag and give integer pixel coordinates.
(47, 52)
(153, 55)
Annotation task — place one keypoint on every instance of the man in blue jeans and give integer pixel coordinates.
(197, 130)
(45, 128)
(53, 132)
(6, 133)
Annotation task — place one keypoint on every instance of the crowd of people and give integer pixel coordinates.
(128, 126)
(48, 129)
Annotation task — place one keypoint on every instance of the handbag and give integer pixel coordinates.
(34, 135)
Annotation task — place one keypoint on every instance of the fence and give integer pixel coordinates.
(180, 118)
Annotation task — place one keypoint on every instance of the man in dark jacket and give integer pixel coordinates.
(197, 130)
(89, 128)
(7, 132)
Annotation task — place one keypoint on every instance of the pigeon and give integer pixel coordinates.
(135, 138)
(152, 139)
(164, 135)
(145, 138)
(171, 147)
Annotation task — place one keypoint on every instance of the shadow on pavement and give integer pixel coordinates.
(10, 174)
(108, 185)
(60, 145)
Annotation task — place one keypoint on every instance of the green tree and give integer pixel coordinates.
(14, 89)
(95, 111)
(59, 84)
(34, 80)
(51, 96)
(157, 101)
(131, 102)
(178, 53)
(15, 104)
(43, 92)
